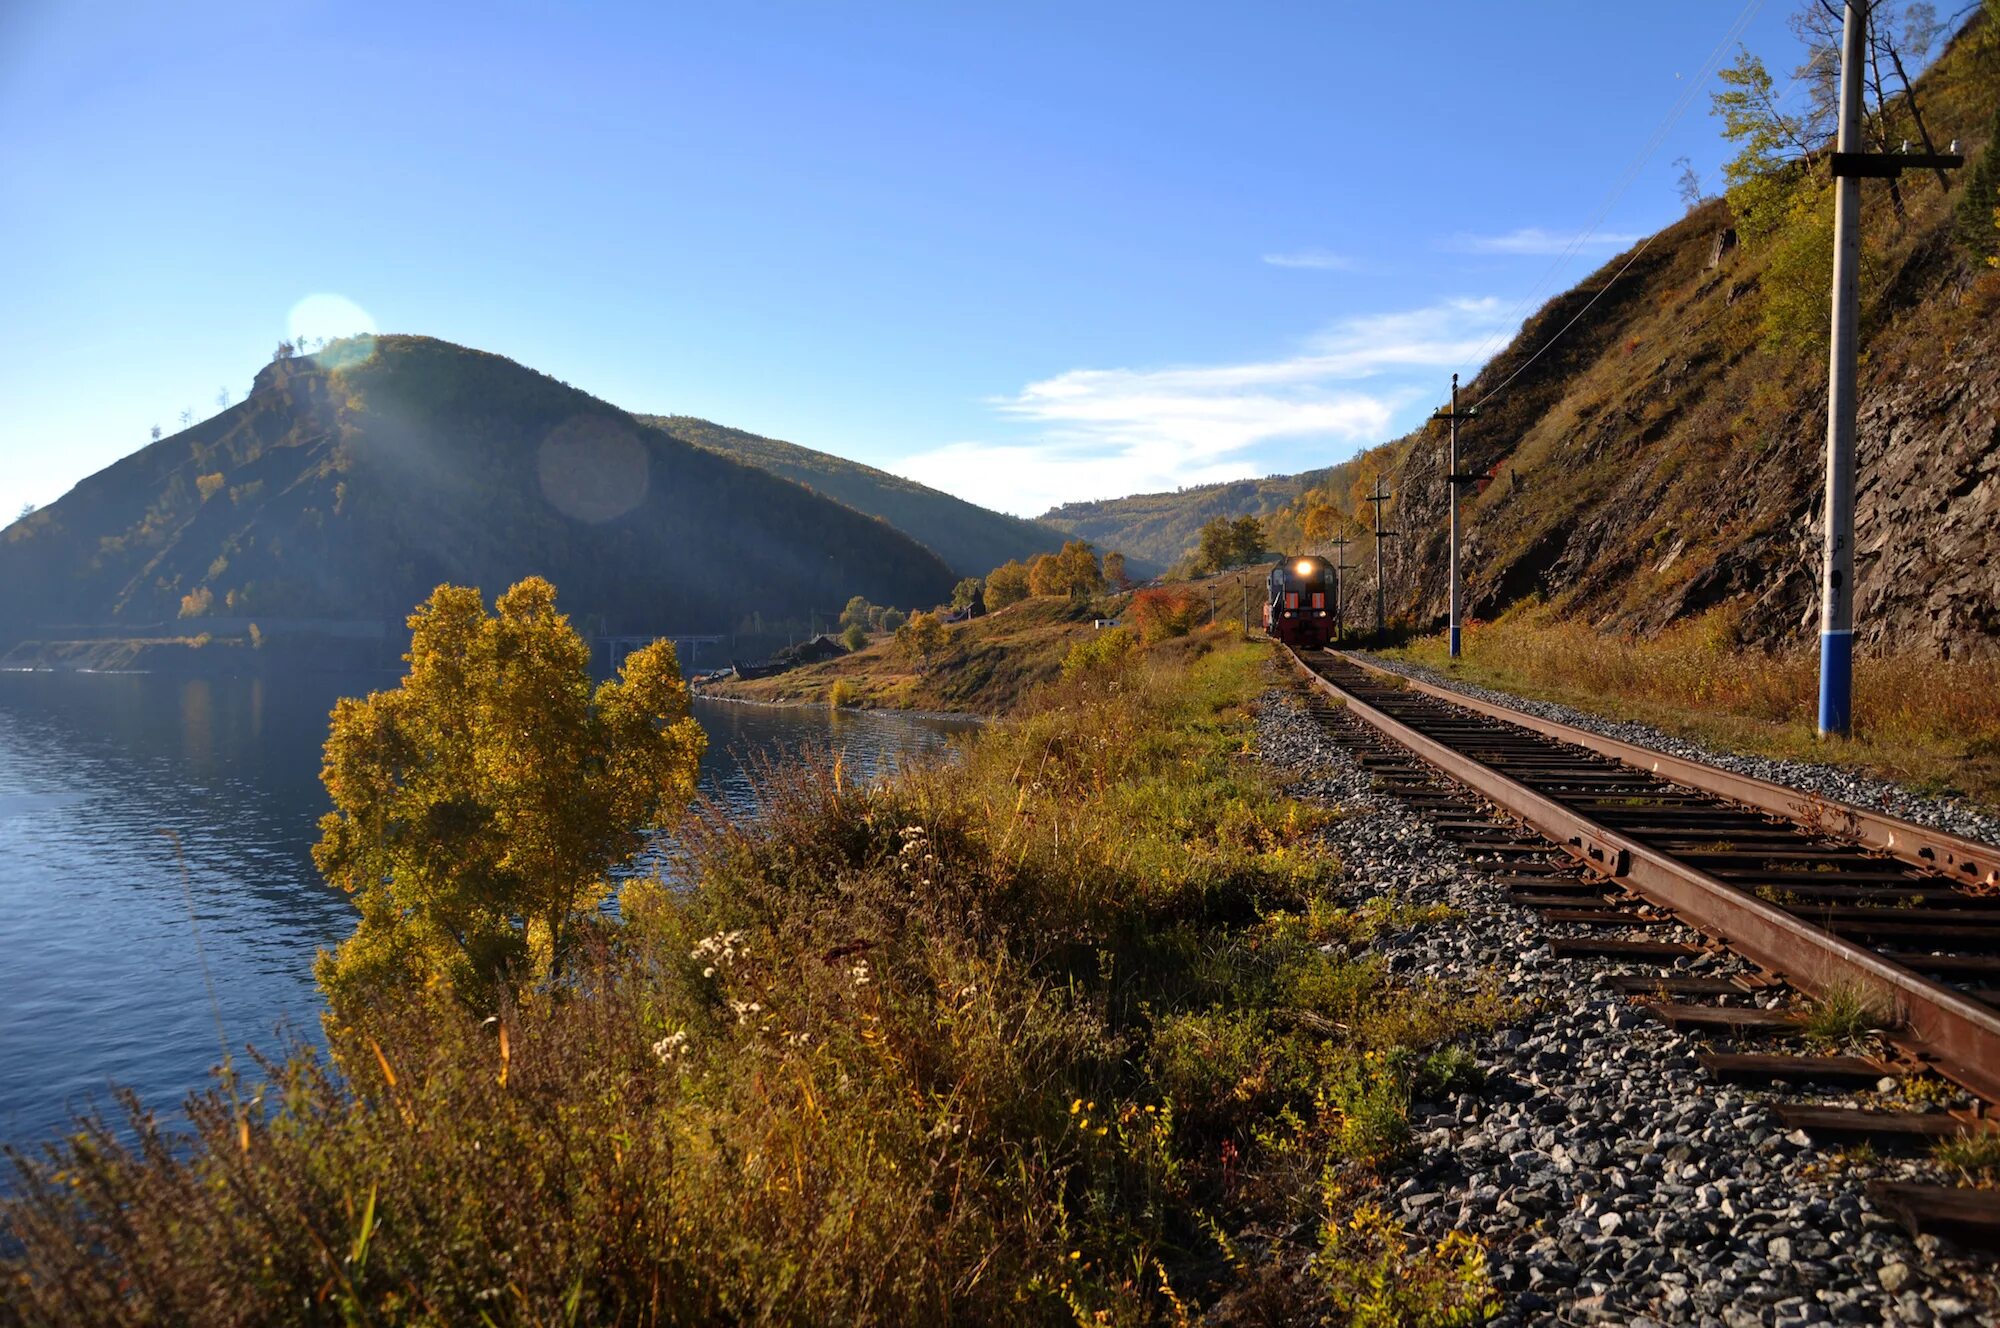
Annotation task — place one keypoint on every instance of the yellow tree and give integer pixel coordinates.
(480, 806)
(923, 636)
(1045, 576)
(1006, 584)
(1077, 571)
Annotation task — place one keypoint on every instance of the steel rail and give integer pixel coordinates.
(1965, 861)
(1960, 1038)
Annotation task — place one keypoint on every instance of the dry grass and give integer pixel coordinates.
(1928, 722)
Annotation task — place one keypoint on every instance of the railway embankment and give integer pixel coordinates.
(1610, 1178)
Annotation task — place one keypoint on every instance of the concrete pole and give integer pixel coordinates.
(1381, 611)
(1451, 480)
(1836, 630)
(1339, 566)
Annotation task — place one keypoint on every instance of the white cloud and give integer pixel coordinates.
(1318, 259)
(1535, 240)
(1105, 432)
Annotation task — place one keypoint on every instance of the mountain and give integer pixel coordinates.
(1154, 530)
(350, 483)
(973, 539)
(1654, 439)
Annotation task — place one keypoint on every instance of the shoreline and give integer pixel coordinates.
(958, 716)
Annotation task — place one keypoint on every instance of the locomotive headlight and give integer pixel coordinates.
(1304, 568)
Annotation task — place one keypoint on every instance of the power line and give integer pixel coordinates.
(1624, 183)
(1550, 343)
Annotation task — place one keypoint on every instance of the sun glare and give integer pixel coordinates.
(327, 316)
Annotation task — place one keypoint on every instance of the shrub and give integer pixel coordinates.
(1101, 653)
(842, 693)
(1165, 612)
(855, 637)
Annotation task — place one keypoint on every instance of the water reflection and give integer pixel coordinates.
(99, 980)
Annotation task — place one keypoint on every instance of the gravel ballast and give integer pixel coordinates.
(1612, 1180)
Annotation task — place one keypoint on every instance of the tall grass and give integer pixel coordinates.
(1915, 715)
(1045, 1035)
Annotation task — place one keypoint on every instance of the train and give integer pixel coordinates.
(1298, 603)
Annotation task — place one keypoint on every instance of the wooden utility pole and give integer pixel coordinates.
(1850, 167)
(1379, 497)
(1455, 480)
(1340, 543)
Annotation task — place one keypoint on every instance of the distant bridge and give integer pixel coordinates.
(687, 645)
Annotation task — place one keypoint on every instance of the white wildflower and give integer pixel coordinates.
(671, 1048)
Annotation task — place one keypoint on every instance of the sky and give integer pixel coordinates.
(1024, 253)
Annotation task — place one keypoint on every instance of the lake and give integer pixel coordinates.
(111, 783)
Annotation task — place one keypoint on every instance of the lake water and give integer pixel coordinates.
(102, 775)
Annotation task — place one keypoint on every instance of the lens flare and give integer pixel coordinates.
(328, 317)
(592, 468)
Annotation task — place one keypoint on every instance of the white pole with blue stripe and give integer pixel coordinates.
(1836, 635)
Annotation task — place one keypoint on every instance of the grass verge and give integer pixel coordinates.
(1043, 1035)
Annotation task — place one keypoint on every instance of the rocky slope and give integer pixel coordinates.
(1665, 457)
(1651, 454)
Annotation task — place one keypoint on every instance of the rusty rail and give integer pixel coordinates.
(1960, 1036)
(1965, 861)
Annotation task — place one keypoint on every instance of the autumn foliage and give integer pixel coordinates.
(480, 806)
(1163, 612)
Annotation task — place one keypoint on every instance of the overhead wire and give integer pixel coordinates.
(1631, 173)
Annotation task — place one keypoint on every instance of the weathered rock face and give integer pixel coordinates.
(1661, 461)
(1928, 509)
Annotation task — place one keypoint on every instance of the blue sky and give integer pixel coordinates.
(1022, 252)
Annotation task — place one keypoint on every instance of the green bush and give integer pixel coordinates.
(1101, 653)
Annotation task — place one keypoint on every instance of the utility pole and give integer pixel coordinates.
(1246, 608)
(1850, 167)
(1340, 543)
(1381, 615)
(1455, 480)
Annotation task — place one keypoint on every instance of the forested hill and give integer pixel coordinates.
(350, 483)
(972, 539)
(1155, 529)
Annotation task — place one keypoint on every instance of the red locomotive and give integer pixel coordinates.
(1298, 603)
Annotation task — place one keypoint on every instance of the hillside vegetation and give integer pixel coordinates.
(1665, 457)
(968, 537)
(350, 483)
(1653, 441)
(1156, 530)
(988, 664)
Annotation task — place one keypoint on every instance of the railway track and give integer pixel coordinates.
(1831, 901)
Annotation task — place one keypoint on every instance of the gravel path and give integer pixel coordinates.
(1613, 1181)
(1829, 781)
